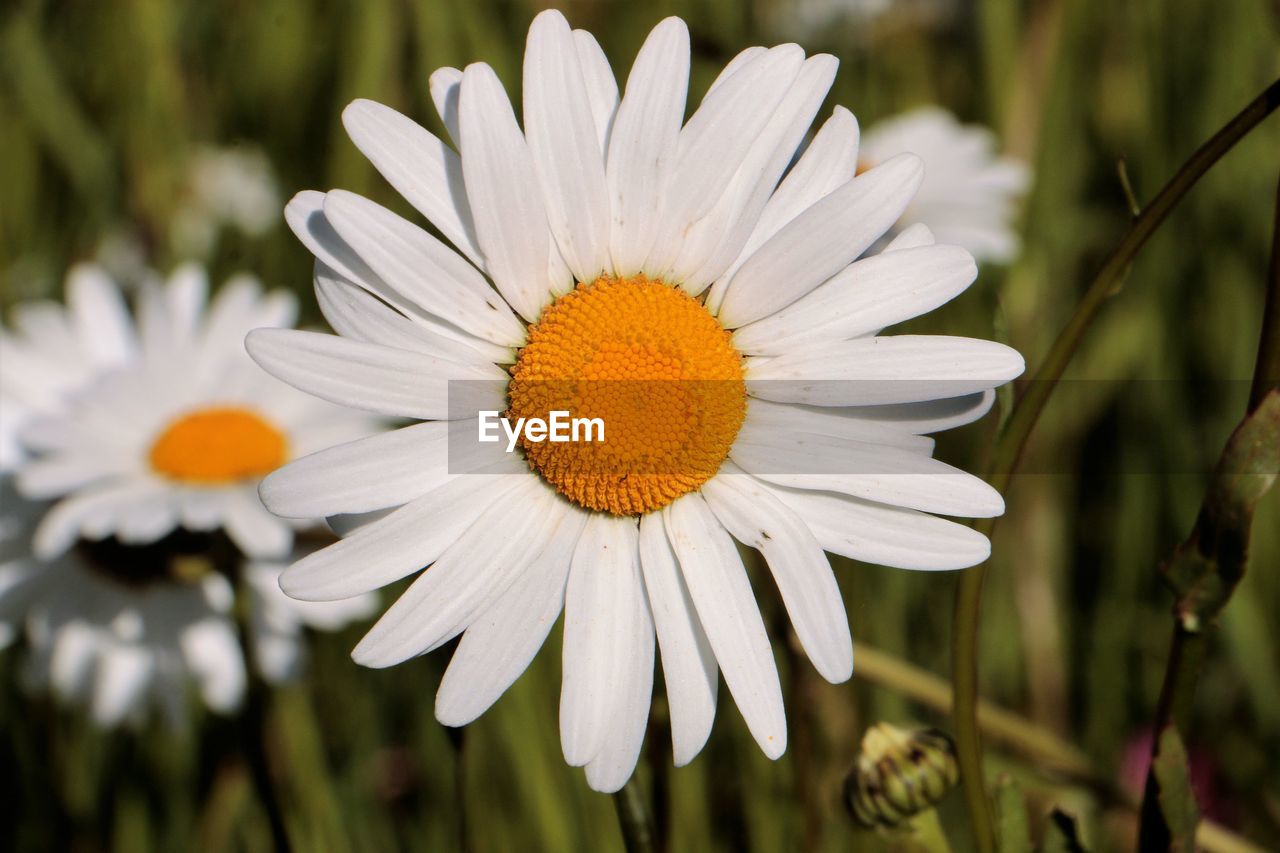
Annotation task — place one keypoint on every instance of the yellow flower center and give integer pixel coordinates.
(651, 363)
(217, 446)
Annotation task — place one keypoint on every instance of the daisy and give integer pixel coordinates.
(969, 194)
(711, 302)
(180, 434)
(122, 631)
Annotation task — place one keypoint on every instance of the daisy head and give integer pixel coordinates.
(180, 430)
(970, 193)
(704, 288)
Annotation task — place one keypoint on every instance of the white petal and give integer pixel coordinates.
(305, 216)
(715, 142)
(911, 237)
(864, 298)
(830, 161)
(400, 543)
(100, 315)
(370, 473)
(503, 640)
(471, 573)
(800, 568)
(420, 167)
(602, 87)
(506, 201)
(868, 471)
(89, 512)
(564, 142)
(632, 627)
(354, 312)
(213, 654)
(446, 87)
(876, 371)
(820, 242)
(124, 671)
(716, 240)
(373, 377)
(930, 416)
(886, 535)
(688, 664)
(599, 629)
(422, 268)
(75, 647)
(57, 474)
(643, 144)
(763, 415)
(722, 593)
(255, 531)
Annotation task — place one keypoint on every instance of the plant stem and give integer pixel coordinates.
(633, 818)
(1017, 429)
(1266, 373)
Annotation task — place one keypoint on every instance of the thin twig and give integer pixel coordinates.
(1017, 429)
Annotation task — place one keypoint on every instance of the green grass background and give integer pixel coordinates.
(101, 104)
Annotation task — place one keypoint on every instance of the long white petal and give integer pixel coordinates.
(422, 268)
(688, 664)
(100, 315)
(599, 601)
(376, 378)
(354, 312)
(506, 201)
(602, 86)
(864, 297)
(643, 143)
(714, 241)
(885, 535)
(830, 161)
(841, 423)
(930, 416)
(716, 140)
(388, 469)
(800, 568)
(727, 607)
(632, 626)
(402, 542)
(446, 88)
(564, 142)
(473, 571)
(420, 167)
(869, 471)
(503, 640)
(305, 215)
(877, 371)
(820, 242)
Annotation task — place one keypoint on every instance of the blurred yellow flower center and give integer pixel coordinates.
(651, 363)
(218, 446)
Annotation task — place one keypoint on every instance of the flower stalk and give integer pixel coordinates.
(1017, 429)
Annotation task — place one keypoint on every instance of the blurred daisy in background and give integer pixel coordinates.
(970, 194)
(233, 187)
(155, 435)
(712, 306)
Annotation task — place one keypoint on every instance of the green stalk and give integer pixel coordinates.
(1017, 430)
(633, 818)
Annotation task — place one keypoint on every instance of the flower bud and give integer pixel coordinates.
(899, 774)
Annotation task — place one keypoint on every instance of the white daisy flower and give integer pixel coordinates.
(609, 240)
(121, 630)
(180, 435)
(228, 187)
(969, 194)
